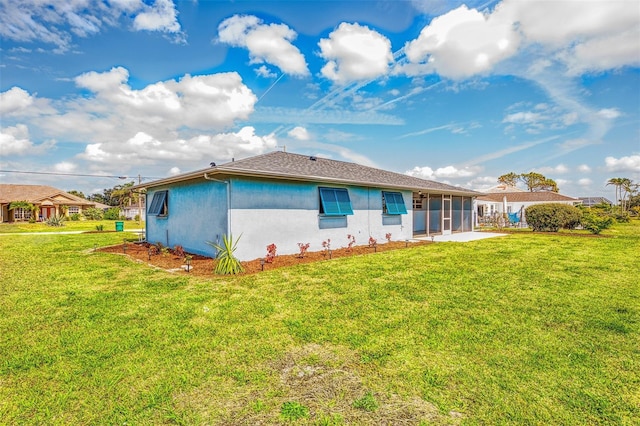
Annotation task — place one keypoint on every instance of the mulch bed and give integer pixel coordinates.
(203, 265)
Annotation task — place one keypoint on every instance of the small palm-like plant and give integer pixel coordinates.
(55, 221)
(227, 263)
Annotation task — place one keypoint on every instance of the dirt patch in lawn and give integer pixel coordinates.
(325, 384)
(174, 261)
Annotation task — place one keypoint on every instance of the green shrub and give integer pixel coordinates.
(93, 214)
(75, 217)
(112, 214)
(596, 223)
(621, 217)
(553, 216)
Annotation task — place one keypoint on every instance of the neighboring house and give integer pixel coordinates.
(594, 201)
(286, 199)
(49, 200)
(514, 201)
(134, 209)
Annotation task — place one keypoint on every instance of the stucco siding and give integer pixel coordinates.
(197, 214)
(289, 227)
(257, 194)
(288, 213)
(263, 212)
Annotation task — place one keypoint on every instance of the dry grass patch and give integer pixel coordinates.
(323, 381)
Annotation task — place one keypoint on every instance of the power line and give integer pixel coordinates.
(77, 174)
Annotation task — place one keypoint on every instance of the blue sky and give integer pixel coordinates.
(458, 92)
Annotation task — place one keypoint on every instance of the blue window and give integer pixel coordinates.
(158, 206)
(335, 202)
(393, 203)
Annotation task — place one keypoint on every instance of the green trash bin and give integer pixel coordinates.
(119, 226)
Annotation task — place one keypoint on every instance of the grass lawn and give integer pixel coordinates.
(69, 225)
(524, 329)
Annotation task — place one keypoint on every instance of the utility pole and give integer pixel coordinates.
(139, 202)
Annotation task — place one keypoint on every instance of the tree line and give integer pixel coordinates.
(627, 193)
(118, 196)
(534, 182)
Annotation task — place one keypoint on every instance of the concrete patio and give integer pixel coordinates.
(462, 237)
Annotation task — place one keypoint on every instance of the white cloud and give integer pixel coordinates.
(562, 22)
(559, 169)
(462, 43)
(204, 102)
(299, 133)
(65, 167)
(482, 183)
(174, 171)
(570, 118)
(605, 53)
(161, 16)
(585, 182)
(14, 99)
(630, 163)
(57, 22)
(573, 144)
(265, 72)
(450, 172)
(585, 36)
(168, 120)
(15, 140)
(266, 43)
(143, 148)
(355, 52)
(584, 168)
(522, 118)
(609, 113)
(421, 172)
(546, 116)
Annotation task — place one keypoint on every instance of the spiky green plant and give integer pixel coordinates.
(226, 263)
(55, 221)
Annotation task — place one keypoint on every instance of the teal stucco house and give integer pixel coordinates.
(286, 199)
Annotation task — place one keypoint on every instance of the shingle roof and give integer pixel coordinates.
(289, 166)
(35, 194)
(523, 197)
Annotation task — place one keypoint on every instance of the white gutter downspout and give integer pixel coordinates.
(228, 183)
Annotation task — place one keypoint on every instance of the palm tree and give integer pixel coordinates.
(617, 182)
(626, 185)
(35, 210)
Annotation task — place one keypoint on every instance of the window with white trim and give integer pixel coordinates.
(74, 209)
(21, 214)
